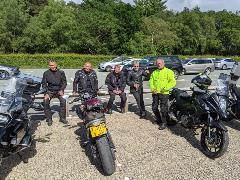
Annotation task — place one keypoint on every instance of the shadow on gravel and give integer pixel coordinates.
(188, 134)
(234, 124)
(150, 116)
(88, 147)
(14, 160)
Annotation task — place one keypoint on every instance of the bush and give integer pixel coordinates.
(66, 61)
(73, 61)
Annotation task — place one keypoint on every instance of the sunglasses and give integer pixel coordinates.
(135, 66)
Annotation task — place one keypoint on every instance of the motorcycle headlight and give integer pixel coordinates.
(223, 104)
(3, 119)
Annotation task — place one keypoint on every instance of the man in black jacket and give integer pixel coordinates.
(116, 83)
(134, 80)
(86, 81)
(54, 81)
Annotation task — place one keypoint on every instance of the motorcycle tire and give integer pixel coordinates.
(220, 140)
(106, 156)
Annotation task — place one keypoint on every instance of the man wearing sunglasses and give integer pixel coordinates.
(134, 80)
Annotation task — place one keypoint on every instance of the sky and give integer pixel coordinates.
(205, 5)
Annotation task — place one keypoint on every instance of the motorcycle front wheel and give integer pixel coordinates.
(215, 145)
(106, 156)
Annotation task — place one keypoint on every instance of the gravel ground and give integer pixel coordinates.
(143, 152)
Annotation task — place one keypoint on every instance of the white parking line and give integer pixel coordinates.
(181, 80)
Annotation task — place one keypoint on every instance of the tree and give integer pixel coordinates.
(162, 39)
(150, 7)
(53, 30)
(13, 20)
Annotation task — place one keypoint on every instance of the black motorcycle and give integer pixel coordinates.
(98, 136)
(204, 110)
(234, 98)
(16, 98)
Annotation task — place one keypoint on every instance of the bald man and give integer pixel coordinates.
(161, 81)
(86, 81)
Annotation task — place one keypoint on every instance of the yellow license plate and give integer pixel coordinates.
(98, 130)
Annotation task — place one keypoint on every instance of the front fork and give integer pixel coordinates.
(213, 123)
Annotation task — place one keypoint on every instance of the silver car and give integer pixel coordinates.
(198, 65)
(108, 65)
(224, 63)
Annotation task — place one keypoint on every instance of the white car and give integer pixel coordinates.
(125, 62)
(224, 63)
(107, 66)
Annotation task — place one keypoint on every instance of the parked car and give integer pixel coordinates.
(224, 63)
(128, 67)
(7, 71)
(198, 65)
(171, 62)
(107, 66)
(125, 62)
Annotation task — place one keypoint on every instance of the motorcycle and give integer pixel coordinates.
(98, 136)
(204, 110)
(16, 98)
(234, 98)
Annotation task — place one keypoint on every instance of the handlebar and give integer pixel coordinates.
(75, 100)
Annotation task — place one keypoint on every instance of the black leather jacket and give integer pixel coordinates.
(135, 77)
(54, 81)
(81, 85)
(114, 81)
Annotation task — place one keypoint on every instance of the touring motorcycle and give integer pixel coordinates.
(205, 110)
(16, 98)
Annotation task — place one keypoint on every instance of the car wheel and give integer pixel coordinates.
(176, 74)
(207, 71)
(108, 68)
(184, 71)
(224, 66)
(3, 74)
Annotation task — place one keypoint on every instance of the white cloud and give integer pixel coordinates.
(205, 5)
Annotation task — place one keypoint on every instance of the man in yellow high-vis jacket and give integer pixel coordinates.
(161, 81)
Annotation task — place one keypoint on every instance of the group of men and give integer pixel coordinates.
(161, 81)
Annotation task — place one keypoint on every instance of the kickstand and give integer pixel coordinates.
(21, 157)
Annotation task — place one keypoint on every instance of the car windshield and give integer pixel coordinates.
(118, 59)
(11, 91)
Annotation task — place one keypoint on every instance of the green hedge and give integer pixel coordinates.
(74, 61)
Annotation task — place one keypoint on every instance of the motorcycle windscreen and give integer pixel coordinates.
(11, 92)
(222, 88)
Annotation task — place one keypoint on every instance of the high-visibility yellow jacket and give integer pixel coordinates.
(162, 80)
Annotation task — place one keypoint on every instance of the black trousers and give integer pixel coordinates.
(138, 95)
(112, 98)
(161, 99)
(47, 109)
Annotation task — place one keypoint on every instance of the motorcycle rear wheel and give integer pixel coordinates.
(215, 146)
(106, 156)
